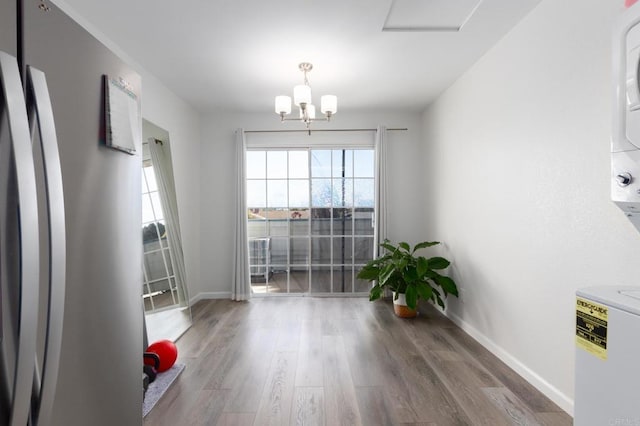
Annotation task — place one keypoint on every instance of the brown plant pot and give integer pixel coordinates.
(401, 309)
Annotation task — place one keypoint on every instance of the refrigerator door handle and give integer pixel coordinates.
(18, 126)
(41, 118)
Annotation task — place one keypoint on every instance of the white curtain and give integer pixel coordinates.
(161, 161)
(241, 288)
(381, 186)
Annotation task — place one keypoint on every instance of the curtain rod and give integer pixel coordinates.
(322, 130)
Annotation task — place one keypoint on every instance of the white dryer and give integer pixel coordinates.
(607, 370)
(625, 138)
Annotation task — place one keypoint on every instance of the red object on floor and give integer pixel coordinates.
(628, 3)
(167, 351)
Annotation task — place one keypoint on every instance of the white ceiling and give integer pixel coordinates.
(239, 54)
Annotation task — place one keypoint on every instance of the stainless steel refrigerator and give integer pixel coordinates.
(70, 234)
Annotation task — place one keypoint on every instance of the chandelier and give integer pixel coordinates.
(302, 99)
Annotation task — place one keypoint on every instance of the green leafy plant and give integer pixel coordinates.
(404, 272)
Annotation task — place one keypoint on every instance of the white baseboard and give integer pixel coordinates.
(210, 295)
(550, 391)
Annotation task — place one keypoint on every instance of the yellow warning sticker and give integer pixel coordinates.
(591, 327)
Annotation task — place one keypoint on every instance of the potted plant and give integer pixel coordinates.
(409, 276)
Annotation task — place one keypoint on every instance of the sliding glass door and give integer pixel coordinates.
(310, 219)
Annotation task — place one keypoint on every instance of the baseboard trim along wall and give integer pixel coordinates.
(551, 392)
(210, 295)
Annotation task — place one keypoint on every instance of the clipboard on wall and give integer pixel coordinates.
(122, 116)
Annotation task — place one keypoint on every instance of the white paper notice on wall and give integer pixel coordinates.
(122, 116)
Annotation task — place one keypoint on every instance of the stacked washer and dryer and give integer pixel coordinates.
(607, 379)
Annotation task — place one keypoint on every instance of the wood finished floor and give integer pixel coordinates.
(340, 361)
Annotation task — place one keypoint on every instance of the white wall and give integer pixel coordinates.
(218, 171)
(518, 158)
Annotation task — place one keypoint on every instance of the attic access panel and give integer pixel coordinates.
(429, 15)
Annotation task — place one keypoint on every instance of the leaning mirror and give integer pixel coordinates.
(165, 295)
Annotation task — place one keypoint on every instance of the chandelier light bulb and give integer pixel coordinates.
(302, 94)
(311, 112)
(283, 105)
(308, 112)
(329, 104)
